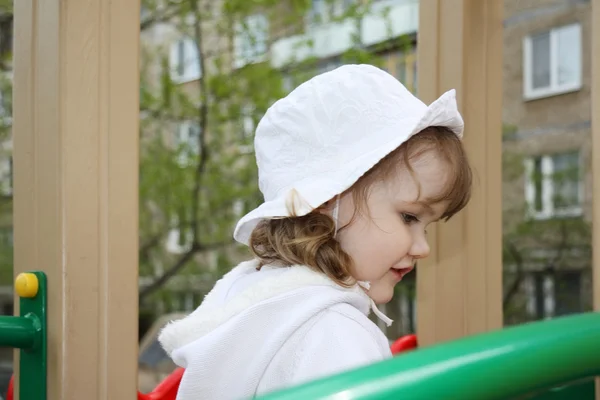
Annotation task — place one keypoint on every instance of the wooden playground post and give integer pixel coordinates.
(459, 287)
(76, 112)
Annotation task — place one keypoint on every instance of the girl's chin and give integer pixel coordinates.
(382, 296)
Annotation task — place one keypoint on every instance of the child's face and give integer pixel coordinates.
(386, 244)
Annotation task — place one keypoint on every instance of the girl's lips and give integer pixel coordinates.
(399, 273)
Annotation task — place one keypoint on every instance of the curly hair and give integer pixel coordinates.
(310, 239)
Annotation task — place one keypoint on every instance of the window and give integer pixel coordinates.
(408, 311)
(251, 40)
(553, 293)
(322, 11)
(238, 208)
(553, 185)
(184, 61)
(567, 293)
(178, 241)
(248, 126)
(552, 62)
(318, 11)
(187, 142)
(6, 175)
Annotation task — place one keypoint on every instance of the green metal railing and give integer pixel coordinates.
(504, 364)
(27, 332)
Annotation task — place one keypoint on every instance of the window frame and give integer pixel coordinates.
(548, 208)
(554, 88)
(543, 295)
(184, 135)
(184, 67)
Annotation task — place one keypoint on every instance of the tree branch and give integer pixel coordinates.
(177, 266)
(514, 287)
(203, 123)
(160, 281)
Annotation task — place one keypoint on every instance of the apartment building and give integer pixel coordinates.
(546, 113)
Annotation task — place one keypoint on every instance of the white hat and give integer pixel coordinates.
(320, 139)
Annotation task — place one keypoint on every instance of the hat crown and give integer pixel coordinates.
(327, 122)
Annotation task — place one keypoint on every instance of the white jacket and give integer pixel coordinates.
(260, 331)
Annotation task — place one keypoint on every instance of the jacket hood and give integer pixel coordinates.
(230, 339)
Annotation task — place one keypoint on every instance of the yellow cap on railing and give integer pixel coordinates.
(26, 285)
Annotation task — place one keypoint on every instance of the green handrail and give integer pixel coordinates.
(18, 332)
(28, 333)
(492, 366)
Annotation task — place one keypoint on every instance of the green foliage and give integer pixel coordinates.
(6, 242)
(201, 187)
(6, 7)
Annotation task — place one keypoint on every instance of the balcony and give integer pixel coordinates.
(387, 19)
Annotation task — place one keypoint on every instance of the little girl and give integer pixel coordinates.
(353, 169)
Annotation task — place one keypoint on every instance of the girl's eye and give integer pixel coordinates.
(409, 218)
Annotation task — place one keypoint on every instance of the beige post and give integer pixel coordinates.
(76, 89)
(595, 57)
(459, 288)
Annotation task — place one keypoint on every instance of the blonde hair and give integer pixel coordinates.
(310, 239)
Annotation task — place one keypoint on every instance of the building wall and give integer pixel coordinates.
(546, 125)
(555, 123)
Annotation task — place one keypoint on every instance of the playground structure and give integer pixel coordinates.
(75, 113)
(530, 358)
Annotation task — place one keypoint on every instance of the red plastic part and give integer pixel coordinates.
(167, 389)
(405, 343)
(9, 392)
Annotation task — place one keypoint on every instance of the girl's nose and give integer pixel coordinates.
(420, 248)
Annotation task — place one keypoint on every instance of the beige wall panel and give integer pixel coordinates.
(459, 288)
(76, 89)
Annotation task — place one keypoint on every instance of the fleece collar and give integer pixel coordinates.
(211, 314)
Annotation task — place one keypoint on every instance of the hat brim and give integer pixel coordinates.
(315, 192)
